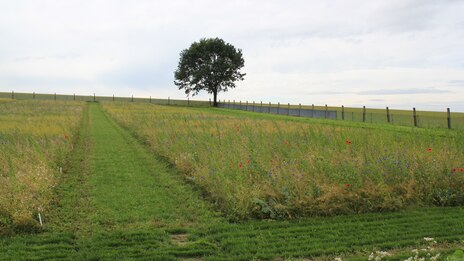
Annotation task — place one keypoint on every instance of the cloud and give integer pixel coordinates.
(403, 91)
(139, 76)
(332, 51)
(455, 83)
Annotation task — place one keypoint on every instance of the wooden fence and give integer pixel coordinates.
(424, 119)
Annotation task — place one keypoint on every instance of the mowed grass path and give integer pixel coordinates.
(139, 203)
(118, 201)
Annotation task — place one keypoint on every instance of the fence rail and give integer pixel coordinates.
(424, 119)
(299, 112)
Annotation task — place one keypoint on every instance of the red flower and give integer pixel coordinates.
(248, 161)
(240, 165)
(347, 185)
(461, 169)
(429, 149)
(454, 170)
(348, 142)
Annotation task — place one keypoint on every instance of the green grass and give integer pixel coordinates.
(270, 166)
(118, 200)
(425, 119)
(34, 137)
(92, 98)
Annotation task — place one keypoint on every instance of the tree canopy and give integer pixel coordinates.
(211, 65)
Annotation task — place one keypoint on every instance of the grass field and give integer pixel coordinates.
(119, 198)
(273, 168)
(425, 119)
(34, 137)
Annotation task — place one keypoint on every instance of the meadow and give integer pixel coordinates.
(273, 168)
(131, 188)
(35, 137)
(425, 119)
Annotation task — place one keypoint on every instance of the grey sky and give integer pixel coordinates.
(397, 53)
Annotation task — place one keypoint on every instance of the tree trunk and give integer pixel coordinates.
(215, 103)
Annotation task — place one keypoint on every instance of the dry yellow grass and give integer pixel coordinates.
(277, 168)
(35, 137)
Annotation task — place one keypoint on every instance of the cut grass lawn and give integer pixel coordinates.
(119, 201)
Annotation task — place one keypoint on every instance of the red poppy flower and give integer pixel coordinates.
(240, 165)
(454, 170)
(347, 185)
(461, 169)
(348, 142)
(429, 149)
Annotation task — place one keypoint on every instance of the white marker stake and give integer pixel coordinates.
(61, 170)
(40, 220)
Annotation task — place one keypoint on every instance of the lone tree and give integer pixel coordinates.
(211, 65)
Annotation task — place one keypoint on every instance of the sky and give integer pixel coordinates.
(396, 53)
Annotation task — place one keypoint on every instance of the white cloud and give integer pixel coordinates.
(335, 52)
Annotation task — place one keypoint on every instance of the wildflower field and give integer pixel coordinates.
(35, 137)
(133, 181)
(269, 167)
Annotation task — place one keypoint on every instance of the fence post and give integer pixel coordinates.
(299, 110)
(33, 95)
(253, 106)
(74, 96)
(325, 114)
(246, 106)
(343, 113)
(261, 107)
(449, 117)
(240, 105)
(414, 115)
(12, 95)
(364, 113)
(388, 115)
(113, 97)
(132, 99)
(312, 110)
(278, 107)
(93, 97)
